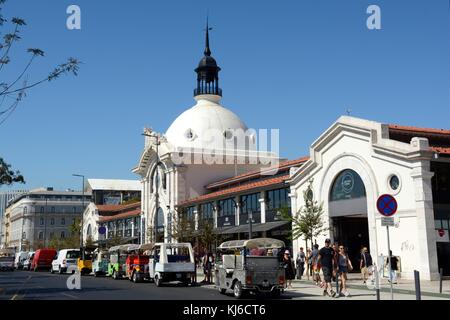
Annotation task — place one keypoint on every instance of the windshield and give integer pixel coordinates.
(73, 254)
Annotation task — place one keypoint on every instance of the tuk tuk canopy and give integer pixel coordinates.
(125, 247)
(263, 243)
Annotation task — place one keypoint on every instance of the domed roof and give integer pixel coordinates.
(207, 61)
(205, 126)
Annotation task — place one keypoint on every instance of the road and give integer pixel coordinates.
(26, 285)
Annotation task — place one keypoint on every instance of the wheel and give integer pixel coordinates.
(237, 290)
(35, 269)
(51, 270)
(115, 275)
(135, 277)
(276, 293)
(222, 290)
(95, 274)
(158, 281)
(60, 270)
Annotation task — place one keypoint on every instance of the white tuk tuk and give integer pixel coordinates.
(253, 265)
(171, 262)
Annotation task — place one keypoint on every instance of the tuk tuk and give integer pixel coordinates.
(100, 261)
(171, 262)
(137, 263)
(117, 261)
(85, 260)
(253, 265)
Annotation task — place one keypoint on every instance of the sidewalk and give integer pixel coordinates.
(427, 288)
(403, 290)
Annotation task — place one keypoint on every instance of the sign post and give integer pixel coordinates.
(387, 206)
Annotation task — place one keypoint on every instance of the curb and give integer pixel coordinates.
(401, 291)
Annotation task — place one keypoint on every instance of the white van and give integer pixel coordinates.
(20, 259)
(28, 260)
(66, 261)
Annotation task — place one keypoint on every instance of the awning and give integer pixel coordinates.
(256, 227)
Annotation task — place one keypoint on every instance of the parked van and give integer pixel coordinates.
(28, 261)
(43, 259)
(66, 261)
(20, 259)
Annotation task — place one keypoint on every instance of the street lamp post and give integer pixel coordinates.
(82, 213)
(250, 224)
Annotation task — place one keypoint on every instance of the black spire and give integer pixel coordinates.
(207, 71)
(207, 50)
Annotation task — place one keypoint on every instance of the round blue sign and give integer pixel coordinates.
(102, 230)
(387, 205)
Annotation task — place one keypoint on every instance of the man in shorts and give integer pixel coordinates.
(326, 260)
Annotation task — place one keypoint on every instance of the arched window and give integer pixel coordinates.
(89, 231)
(347, 195)
(160, 220)
(63, 235)
(41, 235)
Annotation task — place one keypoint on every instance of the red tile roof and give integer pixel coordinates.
(238, 189)
(110, 208)
(441, 150)
(419, 130)
(284, 166)
(128, 214)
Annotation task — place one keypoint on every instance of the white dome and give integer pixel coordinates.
(204, 126)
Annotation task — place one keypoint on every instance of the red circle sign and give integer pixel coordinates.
(387, 205)
(441, 232)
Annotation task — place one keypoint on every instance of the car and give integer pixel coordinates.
(253, 265)
(171, 262)
(20, 259)
(136, 269)
(85, 260)
(100, 261)
(117, 261)
(66, 261)
(6, 260)
(28, 261)
(43, 259)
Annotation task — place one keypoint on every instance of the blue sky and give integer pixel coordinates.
(296, 65)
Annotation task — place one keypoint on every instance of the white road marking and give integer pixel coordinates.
(69, 295)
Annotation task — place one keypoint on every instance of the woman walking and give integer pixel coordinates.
(344, 266)
(289, 268)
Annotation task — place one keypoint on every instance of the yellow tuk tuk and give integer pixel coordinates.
(85, 260)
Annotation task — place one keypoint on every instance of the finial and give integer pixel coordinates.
(207, 50)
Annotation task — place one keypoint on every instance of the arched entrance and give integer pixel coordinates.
(348, 212)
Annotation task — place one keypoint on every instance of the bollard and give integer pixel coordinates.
(417, 282)
(441, 273)
(337, 284)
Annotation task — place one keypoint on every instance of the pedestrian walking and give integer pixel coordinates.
(344, 265)
(394, 268)
(335, 260)
(365, 264)
(207, 266)
(288, 265)
(308, 263)
(326, 255)
(300, 261)
(316, 265)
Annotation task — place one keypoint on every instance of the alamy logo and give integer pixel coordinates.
(74, 281)
(374, 20)
(74, 20)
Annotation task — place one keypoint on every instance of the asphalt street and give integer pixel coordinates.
(27, 285)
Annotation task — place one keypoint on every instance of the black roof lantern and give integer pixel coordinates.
(207, 72)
